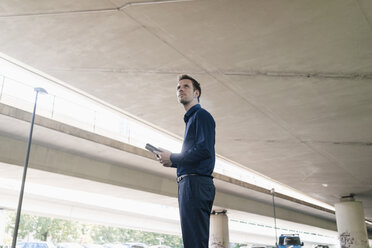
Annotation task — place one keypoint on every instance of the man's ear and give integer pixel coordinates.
(197, 93)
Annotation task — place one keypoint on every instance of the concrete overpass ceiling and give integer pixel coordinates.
(66, 150)
(289, 83)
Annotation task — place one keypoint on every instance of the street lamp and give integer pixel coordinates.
(20, 200)
(276, 235)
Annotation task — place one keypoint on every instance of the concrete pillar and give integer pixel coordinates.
(351, 226)
(2, 226)
(219, 230)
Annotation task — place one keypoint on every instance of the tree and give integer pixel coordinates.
(43, 228)
(106, 234)
(58, 230)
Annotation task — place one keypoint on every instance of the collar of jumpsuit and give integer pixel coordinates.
(190, 112)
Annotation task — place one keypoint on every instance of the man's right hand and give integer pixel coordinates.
(164, 157)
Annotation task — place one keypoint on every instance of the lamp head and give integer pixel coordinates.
(40, 90)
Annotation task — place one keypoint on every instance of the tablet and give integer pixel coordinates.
(152, 148)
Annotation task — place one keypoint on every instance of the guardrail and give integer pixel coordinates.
(92, 118)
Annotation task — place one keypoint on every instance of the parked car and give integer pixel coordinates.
(92, 246)
(115, 245)
(35, 244)
(290, 240)
(136, 245)
(321, 246)
(160, 246)
(69, 245)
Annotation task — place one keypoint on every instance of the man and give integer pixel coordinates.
(194, 165)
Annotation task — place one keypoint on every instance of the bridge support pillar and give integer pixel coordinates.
(219, 229)
(351, 227)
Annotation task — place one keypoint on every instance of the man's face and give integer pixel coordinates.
(185, 92)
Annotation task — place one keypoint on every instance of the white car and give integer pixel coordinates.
(69, 245)
(160, 246)
(136, 245)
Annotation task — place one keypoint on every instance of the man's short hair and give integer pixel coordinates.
(195, 83)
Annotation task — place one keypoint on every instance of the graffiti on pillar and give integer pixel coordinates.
(346, 240)
(216, 243)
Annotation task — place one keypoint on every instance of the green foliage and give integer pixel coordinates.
(106, 234)
(43, 227)
(58, 230)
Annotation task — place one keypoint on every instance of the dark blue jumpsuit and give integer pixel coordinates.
(195, 165)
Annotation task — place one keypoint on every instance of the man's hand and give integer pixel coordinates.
(164, 157)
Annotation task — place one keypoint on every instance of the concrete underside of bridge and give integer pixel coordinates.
(61, 149)
(288, 82)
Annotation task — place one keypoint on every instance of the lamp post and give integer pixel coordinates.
(276, 235)
(20, 200)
